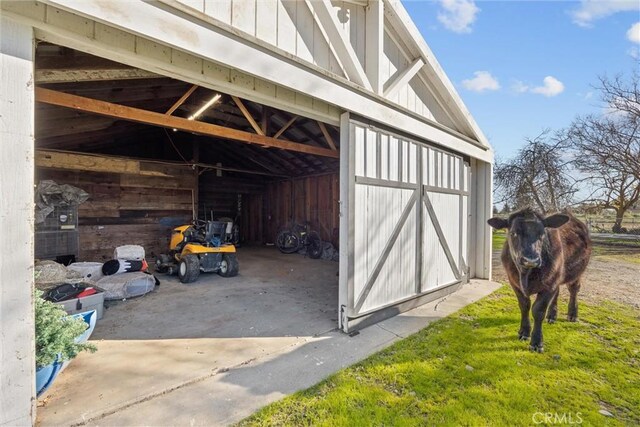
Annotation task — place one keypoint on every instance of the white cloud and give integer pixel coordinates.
(458, 15)
(634, 33)
(550, 87)
(483, 81)
(591, 10)
(634, 52)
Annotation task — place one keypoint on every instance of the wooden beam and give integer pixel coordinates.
(180, 101)
(247, 115)
(403, 77)
(72, 160)
(90, 162)
(264, 124)
(324, 14)
(157, 119)
(285, 127)
(327, 136)
(84, 75)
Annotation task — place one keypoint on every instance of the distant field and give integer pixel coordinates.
(605, 223)
(606, 247)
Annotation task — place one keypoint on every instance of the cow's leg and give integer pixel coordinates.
(574, 287)
(539, 309)
(552, 312)
(525, 324)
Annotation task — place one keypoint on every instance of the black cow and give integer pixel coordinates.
(539, 255)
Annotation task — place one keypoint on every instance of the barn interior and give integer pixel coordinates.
(160, 153)
(260, 185)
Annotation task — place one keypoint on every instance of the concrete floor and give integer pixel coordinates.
(213, 352)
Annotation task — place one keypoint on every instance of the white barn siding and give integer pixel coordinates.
(410, 220)
(286, 24)
(17, 348)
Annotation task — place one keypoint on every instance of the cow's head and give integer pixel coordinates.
(526, 235)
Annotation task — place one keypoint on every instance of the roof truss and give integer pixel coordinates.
(162, 120)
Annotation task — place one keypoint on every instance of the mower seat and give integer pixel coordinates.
(216, 232)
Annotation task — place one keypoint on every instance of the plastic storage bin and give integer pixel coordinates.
(79, 305)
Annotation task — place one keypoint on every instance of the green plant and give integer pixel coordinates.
(56, 332)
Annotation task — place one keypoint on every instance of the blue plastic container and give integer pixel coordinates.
(47, 374)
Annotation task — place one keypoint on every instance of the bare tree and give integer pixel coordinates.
(621, 95)
(538, 176)
(607, 153)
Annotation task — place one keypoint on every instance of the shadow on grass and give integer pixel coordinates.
(470, 369)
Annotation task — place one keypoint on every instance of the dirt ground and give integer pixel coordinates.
(611, 275)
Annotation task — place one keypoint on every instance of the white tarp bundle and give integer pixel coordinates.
(129, 252)
(92, 271)
(126, 285)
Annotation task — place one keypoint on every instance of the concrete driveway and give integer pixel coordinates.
(213, 352)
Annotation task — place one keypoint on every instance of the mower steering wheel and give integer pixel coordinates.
(199, 223)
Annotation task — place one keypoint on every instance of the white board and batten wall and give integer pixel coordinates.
(415, 169)
(405, 239)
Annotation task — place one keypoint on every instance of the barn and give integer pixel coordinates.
(332, 112)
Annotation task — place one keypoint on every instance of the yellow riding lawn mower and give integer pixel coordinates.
(199, 247)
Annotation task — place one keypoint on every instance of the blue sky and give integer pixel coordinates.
(523, 66)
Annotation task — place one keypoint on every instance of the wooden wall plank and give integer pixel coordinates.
(128, 209)
(313, 199)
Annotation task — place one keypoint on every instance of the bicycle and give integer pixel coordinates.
(300, 236)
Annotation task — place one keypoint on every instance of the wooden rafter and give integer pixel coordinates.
(248, 115)
(264, 123)
(157, 119)
(180, 101)
(285, 126)
(327, 136)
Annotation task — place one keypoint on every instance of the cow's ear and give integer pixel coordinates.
(555, 221)
(498, 223)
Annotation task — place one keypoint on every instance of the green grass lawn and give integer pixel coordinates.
(470, 369)
(498, 238)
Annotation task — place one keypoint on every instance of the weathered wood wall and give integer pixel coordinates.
(313, 199)
(128, 209)
(268, 206)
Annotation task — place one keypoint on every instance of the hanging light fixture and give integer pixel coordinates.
(205, 106)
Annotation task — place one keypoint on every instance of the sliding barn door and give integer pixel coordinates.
(404, 234)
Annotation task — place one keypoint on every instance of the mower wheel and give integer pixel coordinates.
(189, 268)
(229, 265)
